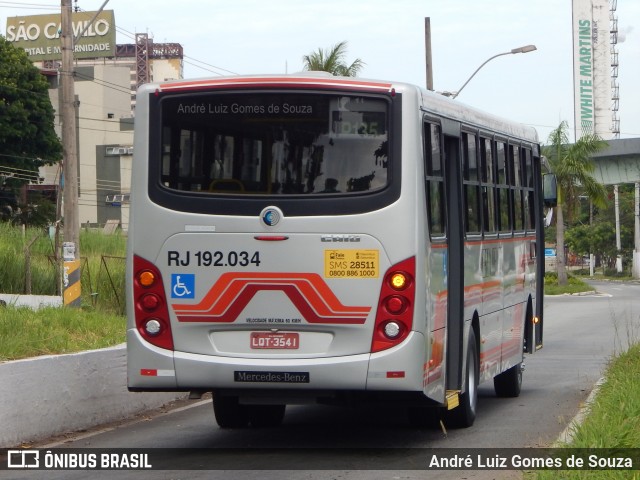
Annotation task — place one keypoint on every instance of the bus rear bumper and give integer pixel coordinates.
(153, 369)
(214, 372)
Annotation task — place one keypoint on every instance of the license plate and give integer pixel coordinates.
(270, 340)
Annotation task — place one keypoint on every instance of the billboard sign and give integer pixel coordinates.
(591, 68)
(39, 35)
(583, 68)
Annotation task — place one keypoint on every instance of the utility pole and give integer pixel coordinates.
(427, 48)
(636, 236)
(616, 201)
(71, 231)
(68, 112)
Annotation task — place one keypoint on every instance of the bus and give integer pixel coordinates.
(316, 239)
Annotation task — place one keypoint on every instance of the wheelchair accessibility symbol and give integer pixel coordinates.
(183, 285)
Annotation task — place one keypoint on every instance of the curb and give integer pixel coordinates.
(51, 395)
(33, 301)
(567, 434)
(577, 294)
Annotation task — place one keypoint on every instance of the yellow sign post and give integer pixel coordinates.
(71, 276)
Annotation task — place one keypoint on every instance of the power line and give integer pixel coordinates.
(21, 4)
(101, 184)
(58, 115)
(29, 158)
(15, 87)
(89, 119)
(29, 6)
(209, 65)
(50, 163)
(17, 176)
(132, 36)
(104, 83)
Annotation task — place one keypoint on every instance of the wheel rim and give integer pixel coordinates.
(471, 375)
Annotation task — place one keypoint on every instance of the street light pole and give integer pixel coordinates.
(525, 49)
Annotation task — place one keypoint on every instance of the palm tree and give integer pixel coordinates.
(573, 167)
(332, 61)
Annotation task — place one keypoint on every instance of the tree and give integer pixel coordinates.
(332, 61)
(573, 167)
(27, 135)
(595, 231)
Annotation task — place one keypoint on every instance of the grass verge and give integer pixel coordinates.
(28, 265)
(612, 422)
(50, 331)
(575, 285)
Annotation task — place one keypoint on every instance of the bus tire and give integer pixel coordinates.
(229, 412)
(509, 382)
(261, 416)
(464, 414)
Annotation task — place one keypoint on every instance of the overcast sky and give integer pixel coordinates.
(258, 36)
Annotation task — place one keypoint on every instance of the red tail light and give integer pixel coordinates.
(394, 318)
(150, 304)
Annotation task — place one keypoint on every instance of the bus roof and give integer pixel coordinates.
(308, 80)
(441, 105)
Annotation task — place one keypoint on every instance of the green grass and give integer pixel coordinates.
(27, 333)
(99, 323)
(13, 244)
(102, 266)
(575, 285)
(613, 420)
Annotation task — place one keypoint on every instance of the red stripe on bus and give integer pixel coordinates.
(274, 81)
(308, 292)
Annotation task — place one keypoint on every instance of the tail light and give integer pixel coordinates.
(394, 318)
(150, 305)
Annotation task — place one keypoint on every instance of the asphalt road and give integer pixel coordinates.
(581, 334)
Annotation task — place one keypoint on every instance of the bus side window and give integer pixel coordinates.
(518, 209)
(529, 202)
(434, 180)
(488, 186)
(471, 187)
(504, 197)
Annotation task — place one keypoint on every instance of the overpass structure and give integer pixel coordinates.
(616, 164)
(619, 162)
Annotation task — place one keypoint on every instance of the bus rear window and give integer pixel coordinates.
(274, 144)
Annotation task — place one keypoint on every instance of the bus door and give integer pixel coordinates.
(455, 257)
(437, 257)
(533, 334)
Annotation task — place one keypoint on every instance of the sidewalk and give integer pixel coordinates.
(46, 396)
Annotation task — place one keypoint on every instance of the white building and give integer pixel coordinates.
(105, 92)
(595, 68)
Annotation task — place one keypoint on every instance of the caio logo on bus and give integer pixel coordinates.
(340, 238)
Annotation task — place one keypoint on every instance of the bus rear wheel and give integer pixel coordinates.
(509, 382)
(464, 414)
(229, 412)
